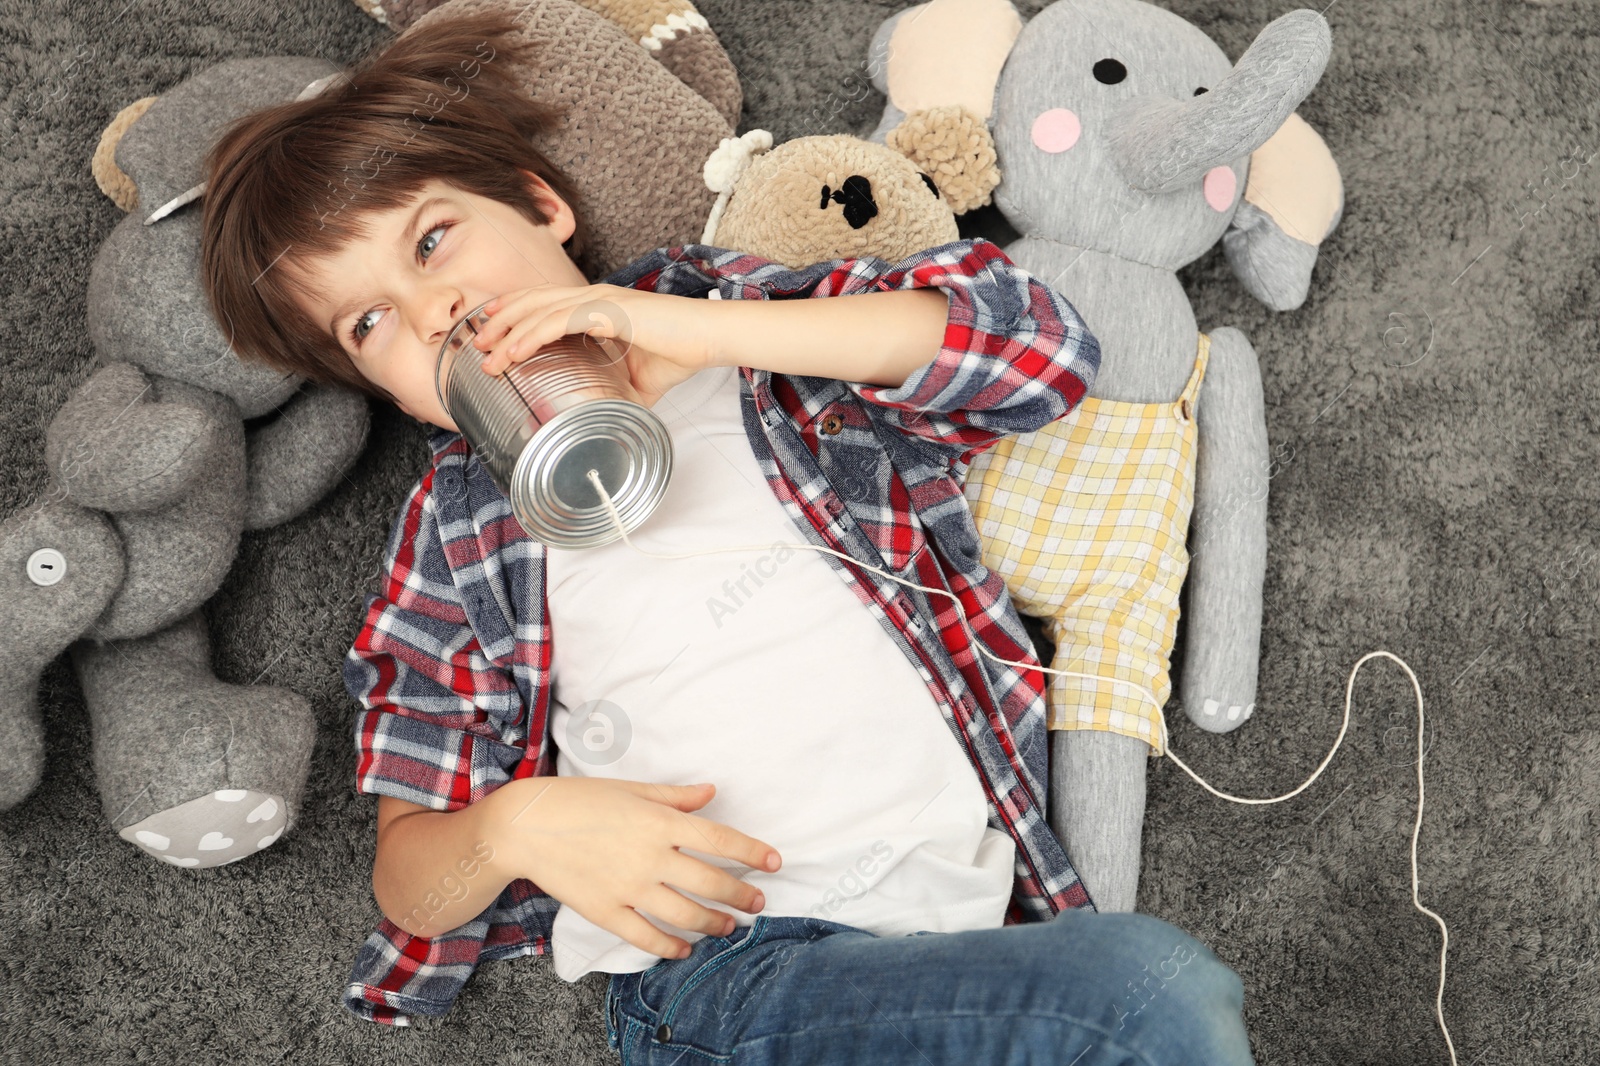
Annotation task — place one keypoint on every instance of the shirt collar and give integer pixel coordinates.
(441, 439)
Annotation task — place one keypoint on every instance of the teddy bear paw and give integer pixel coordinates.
(213, 830)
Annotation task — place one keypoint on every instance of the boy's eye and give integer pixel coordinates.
(356, 334)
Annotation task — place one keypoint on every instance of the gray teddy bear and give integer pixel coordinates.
(1121, 143)
(173, 446)
(158, 462)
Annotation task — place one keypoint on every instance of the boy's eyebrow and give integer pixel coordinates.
(399, 249)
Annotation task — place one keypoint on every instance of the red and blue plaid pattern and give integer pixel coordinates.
(452, 663)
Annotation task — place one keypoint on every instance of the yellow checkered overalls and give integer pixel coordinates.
(1087, 520)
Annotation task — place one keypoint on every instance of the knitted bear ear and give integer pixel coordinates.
(723, 169)
(955, 149)
(732, 158)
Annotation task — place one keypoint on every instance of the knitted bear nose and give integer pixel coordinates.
(856, 196)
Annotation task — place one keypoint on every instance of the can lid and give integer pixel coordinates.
(626, 443)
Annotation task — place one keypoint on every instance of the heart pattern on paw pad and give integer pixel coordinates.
(216, 829)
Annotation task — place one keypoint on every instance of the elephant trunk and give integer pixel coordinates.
(1160, 144)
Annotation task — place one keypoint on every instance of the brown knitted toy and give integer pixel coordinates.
(671, 30)
(648, 90)
(825, 197)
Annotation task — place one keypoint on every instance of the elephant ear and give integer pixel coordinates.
(938, 65)
(1292, 201)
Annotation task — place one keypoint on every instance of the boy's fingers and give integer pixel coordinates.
(525, 339)
(630, 926)
(682, 797)
(528, 303)
(704, 835)
(670, 905)
(714, 882)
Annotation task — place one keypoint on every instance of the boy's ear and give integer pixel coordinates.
(562, 220)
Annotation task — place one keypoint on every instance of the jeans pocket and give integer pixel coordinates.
(660, 983)
(671, 1012)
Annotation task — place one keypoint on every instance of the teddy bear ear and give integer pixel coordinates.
(1293, 199)
(151, 156)
(723, 169)
(954, 150)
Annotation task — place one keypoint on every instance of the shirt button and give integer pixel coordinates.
(832, 424)
(664, 1033)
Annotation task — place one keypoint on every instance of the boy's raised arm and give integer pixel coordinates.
(1010, 356)
(877, 339)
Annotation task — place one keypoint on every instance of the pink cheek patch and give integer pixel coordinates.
(1056, 130)
(1220, 185)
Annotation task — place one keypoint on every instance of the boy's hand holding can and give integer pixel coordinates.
(664, 339)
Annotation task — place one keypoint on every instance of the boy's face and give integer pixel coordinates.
(391, 299)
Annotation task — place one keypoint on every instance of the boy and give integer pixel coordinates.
(873, 878)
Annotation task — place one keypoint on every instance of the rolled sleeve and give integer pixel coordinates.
(439, 721)
(1015, 356)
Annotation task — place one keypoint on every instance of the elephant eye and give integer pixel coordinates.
(1200, 90)
(929, 183)
(1109, 72)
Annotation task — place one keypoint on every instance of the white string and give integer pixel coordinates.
(1416, 831)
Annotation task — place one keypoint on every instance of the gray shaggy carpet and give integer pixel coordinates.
(1444, 510)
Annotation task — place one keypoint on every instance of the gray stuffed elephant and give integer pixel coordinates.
(158, 462)
(1121, 143)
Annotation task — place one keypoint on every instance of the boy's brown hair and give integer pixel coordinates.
(297, 179)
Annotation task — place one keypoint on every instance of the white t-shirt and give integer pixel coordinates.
(761, 672)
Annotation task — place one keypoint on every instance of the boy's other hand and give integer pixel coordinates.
(663, 339)
(605, 847)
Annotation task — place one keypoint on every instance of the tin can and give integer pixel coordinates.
(543, 424)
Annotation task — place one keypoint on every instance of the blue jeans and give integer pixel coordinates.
(1084, 989)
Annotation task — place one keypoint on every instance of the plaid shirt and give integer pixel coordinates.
(452, 663)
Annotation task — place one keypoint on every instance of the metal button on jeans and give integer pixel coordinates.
(664, 1033)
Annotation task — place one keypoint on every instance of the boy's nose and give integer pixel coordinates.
(453, 313)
